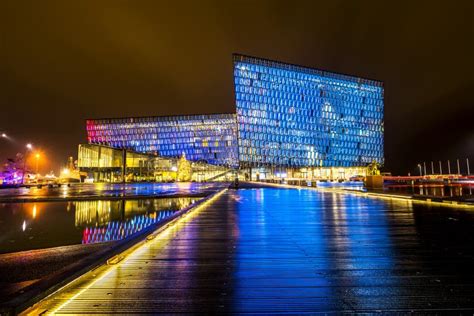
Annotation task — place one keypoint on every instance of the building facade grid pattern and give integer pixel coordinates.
(286, 115)
(298, 117)
(211, 138)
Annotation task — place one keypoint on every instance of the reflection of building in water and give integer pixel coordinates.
(115, 220)
(147, 205)
(117, 230)
(100, 212)
(96, 212)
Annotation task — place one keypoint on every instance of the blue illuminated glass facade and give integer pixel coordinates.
(211, 138)
(300, 117)
(286, 115)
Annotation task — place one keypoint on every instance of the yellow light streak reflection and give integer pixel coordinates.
(34, 211)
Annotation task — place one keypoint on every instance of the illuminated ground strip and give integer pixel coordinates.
(384, 196)
(48, 306)
(399, 198)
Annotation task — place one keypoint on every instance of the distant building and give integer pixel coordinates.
(287, 116)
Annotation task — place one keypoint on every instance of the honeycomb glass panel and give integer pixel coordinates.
(297, 117)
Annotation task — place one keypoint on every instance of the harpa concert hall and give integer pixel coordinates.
(289, 121)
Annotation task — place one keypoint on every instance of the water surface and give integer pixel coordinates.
(26, 226)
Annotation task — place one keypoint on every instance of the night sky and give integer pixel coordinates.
(64, 61)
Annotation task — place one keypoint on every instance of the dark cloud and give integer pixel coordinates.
(64, 61)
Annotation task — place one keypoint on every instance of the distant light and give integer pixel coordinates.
(174, 168)
(37, 156)
(24, 225)
(65, 171)
(29, 146)
(4, 135)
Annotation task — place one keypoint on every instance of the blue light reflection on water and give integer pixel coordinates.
(306, 239)
(118, 230)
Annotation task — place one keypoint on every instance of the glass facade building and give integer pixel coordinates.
(286, 115)
(302, 117)
(211, 138)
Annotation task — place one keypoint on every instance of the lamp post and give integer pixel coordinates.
(28, 147)
(419, 167)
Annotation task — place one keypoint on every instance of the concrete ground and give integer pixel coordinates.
(21, 269)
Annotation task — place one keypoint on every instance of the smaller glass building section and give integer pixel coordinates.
(106, 164)
(295, 116)
(208, 138)
(99, 163)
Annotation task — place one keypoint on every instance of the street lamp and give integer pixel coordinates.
(29, 146)
(4, 135)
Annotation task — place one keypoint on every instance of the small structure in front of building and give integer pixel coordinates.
(185, 171)
(373, 180)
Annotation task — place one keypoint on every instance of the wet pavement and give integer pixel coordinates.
(291, 251)
(22, 269)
